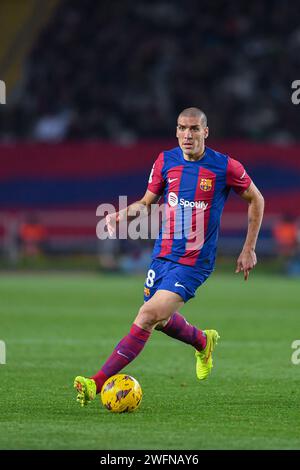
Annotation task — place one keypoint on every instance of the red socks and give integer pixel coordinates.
(125, 351)
(132, 344)
(178, 328)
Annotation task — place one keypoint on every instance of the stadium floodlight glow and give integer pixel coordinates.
(2, 92)
(2, 352)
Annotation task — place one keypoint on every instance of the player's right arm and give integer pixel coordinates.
(143, 206)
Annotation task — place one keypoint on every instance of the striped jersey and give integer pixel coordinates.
(194, 194)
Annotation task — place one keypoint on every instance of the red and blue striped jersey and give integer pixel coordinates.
(194, 194)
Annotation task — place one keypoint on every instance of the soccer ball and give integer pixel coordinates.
(121, 393)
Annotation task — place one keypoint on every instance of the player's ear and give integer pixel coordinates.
(206, 132)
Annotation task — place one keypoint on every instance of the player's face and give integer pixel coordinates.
(191, 136)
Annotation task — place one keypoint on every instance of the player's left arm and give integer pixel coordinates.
(247, 259)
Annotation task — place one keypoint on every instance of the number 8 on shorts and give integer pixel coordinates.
(150, 278)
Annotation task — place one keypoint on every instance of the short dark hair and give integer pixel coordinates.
(194, 112)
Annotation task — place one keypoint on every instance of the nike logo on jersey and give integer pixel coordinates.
(179, 285)
(170, 180)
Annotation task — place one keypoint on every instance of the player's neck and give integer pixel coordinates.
(196, 157)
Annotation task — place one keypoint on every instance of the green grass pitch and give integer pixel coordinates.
(58, 326)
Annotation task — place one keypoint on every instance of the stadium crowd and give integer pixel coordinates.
(122, 70)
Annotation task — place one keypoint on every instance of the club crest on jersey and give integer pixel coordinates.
(206, 184)
(146, 291)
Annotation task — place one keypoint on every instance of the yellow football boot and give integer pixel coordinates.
(204, 362)
(86, 389)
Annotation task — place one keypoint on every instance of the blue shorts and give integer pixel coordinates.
(167, 275)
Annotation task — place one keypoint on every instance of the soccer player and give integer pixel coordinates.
(194, 181)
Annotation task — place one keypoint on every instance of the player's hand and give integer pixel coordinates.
(246, 261)
(113, 219)
(111, 223)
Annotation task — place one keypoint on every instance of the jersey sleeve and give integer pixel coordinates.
(237, 177)
(156, 181)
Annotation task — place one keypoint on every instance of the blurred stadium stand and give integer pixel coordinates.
(121, 70)
(94, 89)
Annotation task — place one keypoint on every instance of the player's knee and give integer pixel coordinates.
(162, 324)
(150, 315)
